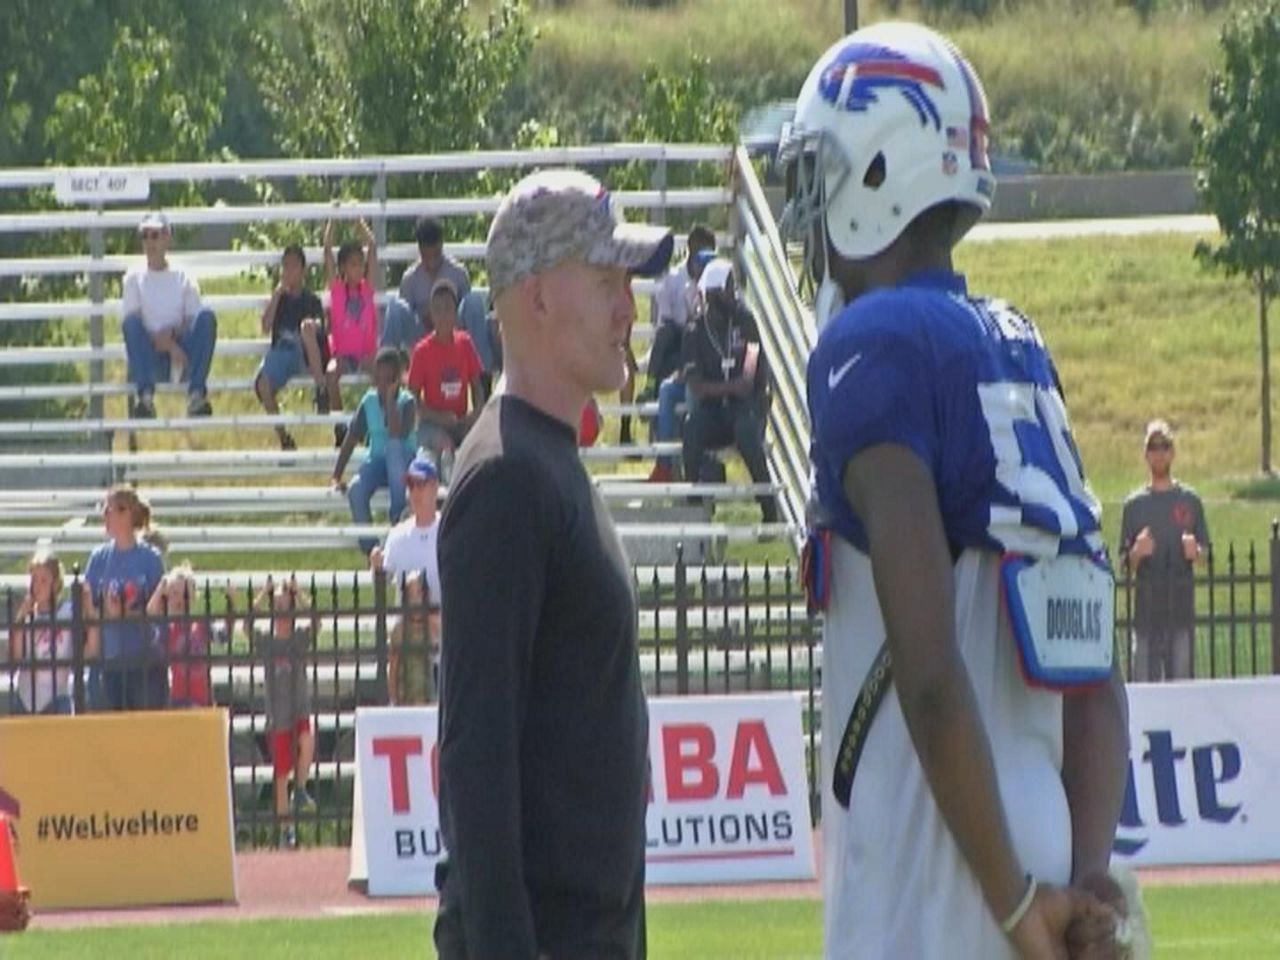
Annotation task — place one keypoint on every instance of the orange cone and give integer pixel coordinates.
(14, 910)
(8, 858)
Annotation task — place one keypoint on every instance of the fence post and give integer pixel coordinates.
(78, 640)
(1275, 596)
(97, 248)
(380, 632)
(682, 623)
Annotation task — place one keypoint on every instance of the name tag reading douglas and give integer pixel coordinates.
(1062, 611)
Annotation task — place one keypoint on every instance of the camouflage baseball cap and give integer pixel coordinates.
(557, 215)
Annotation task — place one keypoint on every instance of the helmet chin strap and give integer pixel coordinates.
(828, 302)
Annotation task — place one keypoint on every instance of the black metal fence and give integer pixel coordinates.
(356, 641)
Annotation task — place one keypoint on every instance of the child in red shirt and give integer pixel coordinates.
(443, 370)
(186, 640)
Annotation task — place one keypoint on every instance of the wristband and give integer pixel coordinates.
(1011, 922)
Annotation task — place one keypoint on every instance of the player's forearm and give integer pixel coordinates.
(1094, 767)
(894, 492)
(946, 729)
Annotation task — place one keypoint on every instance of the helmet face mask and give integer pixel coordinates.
(891, 121)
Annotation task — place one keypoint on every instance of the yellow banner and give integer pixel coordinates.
(123, 809)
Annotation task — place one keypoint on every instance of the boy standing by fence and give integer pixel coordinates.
(283, 649)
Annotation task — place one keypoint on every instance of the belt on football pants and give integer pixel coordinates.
(879, 680)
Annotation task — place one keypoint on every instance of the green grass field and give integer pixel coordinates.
(1116, 94)
(1190, 923)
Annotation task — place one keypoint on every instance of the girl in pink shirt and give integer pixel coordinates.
(353, 316)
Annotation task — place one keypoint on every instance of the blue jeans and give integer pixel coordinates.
(135, 688)
(401, 326)
(671, 394)
(374, 474)
(146, 363)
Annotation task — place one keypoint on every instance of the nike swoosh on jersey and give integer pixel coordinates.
(836, 374)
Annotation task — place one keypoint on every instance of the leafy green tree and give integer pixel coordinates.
(1238, 153)
(388, 76)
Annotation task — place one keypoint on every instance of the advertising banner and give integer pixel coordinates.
(728, 799)
(123, 809)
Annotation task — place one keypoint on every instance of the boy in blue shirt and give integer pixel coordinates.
(384, 420)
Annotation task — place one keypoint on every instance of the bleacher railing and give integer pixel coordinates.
(93, 222)
(787, 332)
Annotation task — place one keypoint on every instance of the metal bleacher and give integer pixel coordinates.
(221, 488)
(173, 456)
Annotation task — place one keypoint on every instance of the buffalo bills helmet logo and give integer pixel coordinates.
(875, 68)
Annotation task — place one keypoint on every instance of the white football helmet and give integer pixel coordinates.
(891, 121)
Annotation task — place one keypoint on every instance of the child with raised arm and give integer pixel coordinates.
(283, 647)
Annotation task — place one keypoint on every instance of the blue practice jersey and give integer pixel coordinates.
(967, 384)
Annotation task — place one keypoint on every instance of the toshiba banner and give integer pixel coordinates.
(1204, 773)
(728, 799)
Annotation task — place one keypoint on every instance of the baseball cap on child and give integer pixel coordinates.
(444, 285)
(715, 275)
(155, 220)
(553, 216)
(1158, 430)
(422, 467)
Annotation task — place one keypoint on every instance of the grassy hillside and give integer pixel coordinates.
(1112, 93)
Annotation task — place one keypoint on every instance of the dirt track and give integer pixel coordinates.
(308, 883)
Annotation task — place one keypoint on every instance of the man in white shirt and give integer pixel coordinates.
(166, 330)
(409, 558)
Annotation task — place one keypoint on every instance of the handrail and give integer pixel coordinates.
(214, 171)
(787, 332)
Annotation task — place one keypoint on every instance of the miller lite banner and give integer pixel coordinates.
(728, 797)
(1204, 774)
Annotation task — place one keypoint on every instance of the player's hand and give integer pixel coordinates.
(338, 485)
(1092, 932)
(1041, 933)
(1190, 547)
(1144, 545)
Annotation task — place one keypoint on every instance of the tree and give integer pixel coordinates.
(388, 76)
(1238, 153)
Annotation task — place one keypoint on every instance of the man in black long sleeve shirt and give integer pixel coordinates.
(543, 724)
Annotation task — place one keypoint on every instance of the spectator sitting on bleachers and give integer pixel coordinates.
(353, 316)
(122, 574)
(408, 317)
(444, 369)
(410, 560)
(674, 304)
(728, 380)
(41, 633)
(385, 421)
(682, 297)
(295, 320)
(167, 333)
(282, 648)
